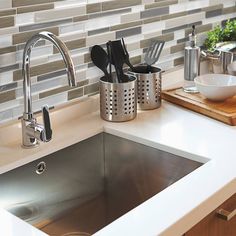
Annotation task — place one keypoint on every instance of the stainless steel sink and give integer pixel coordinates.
(86, 186)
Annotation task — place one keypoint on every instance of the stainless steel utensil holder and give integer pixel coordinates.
(149, 87)
(118, 101)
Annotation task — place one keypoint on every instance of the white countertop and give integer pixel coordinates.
(174, 129)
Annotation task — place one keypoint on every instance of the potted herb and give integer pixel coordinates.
(220, 46)
(218, 34)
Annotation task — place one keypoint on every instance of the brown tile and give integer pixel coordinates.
(91, 88)
(82, 83)
(54, 91)
(23, 37)
(75, 93)
(174, 15)
(199, 29)
(80, 18)
(214, 7)
(177, 48)
(7, 49)
(7, 96)
(21, 10)
(178, 61)
(229, 10)
(74, 44)
(165, 37)
(8, 12)
(7, 21)
(41, 69)
(19, 3)
(110, 5)
(161, 4)
(135, 60)
(126, 25)
(94, 7)
(87, 58)
(151, 19)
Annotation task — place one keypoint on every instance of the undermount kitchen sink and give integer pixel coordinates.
(86, 186)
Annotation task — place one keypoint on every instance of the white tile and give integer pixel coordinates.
(24, 19)
(153, 27)
(127, 18)
(186, 6)
(69, 3)
(49, 15)
(5, 4)
(171, 23)
(8, 59)
(6, 77)
(5, 41)
(9, 30)
(100, 38)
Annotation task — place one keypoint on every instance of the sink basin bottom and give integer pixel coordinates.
(86, 186)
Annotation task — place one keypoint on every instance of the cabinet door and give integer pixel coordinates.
(214, 225)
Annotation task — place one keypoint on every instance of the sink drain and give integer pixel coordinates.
(41, 167)
(76, 234)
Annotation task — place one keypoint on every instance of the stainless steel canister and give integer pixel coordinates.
(224, 54)
(118, 101)
(149, 87)
(191, 68)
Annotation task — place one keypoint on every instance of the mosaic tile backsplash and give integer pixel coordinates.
(83, 23)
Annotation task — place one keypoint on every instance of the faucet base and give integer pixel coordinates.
(32, 145)
(28, 141)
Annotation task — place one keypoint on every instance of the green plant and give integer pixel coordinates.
(219, 34)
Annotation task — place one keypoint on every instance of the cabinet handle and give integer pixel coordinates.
(226, 215)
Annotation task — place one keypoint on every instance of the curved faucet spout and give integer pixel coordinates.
(32, 132)
(26, 66)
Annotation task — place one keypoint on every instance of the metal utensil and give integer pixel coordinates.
(126, 56)
(100, 59)
(153, 53)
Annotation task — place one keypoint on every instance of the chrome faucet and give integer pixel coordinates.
(32, 132)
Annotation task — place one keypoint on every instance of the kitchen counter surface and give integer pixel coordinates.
(169, 128)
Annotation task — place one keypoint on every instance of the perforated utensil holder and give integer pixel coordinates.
(149, 87)
(118, 101)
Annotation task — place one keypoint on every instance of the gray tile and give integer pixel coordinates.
(182, 40)
(51, 75)
(44, 25)
(98, 31)
(8, 86)
(174, 29)
(155, 12)
(213, 13)
(128, 32)
(9, 68)
(108, 13)
(22, 46)
(194, 11)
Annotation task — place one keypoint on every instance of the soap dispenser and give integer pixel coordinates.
(191, 63)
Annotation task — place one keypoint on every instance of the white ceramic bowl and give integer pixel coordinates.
(232, 68)
(216, 87)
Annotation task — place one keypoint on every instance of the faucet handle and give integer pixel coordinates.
(47, 123)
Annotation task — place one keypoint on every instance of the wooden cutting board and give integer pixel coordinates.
(223, 111)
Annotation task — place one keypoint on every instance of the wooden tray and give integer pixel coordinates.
(223, 111)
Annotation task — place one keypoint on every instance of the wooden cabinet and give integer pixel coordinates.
(214, 225)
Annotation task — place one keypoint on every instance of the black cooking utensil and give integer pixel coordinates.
(100, 59)
(118, 60)
(126, 56)
(110, 60)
